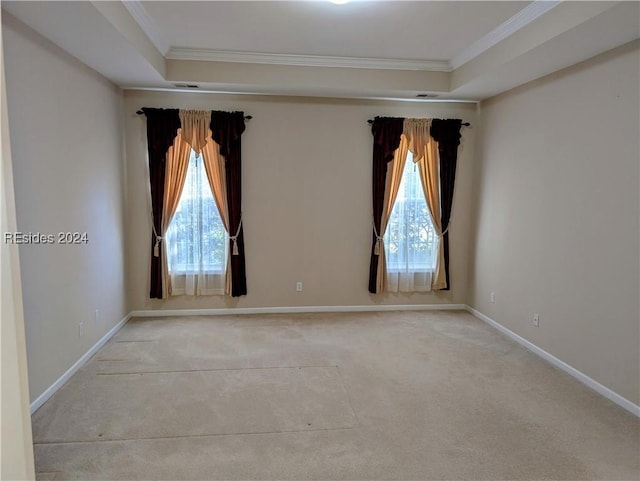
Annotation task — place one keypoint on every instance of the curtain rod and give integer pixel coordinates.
(466, 124)
(246, 117)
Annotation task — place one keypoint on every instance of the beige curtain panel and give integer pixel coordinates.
(177, 164)
(392, 185)
(425, 155)
(214, 166)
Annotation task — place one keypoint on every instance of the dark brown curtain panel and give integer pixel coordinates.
(226, 130)
(386, 139)
(447, 133)
(162, 128)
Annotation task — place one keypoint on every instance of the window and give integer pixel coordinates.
(411, 243)
(197, 241)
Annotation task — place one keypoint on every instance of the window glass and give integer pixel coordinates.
(196, 238)
(410, 239)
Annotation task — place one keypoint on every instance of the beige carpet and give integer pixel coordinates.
(396, 395)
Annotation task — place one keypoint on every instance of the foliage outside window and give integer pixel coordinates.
(411, 242)
(196, 238)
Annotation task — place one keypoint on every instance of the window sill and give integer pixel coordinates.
(403, 270)
(196, 273)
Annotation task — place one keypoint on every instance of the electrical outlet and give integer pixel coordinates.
(492, 297)
(96, 316)
(299, 286)
(536, 320)
(81, 329)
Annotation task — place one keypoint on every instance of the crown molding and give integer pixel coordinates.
(531, 12)
(175, 53)
(521, 19)
(147, 24)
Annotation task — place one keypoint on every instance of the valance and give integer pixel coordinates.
(195, 128)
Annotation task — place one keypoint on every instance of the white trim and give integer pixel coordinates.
(296, 310)
(520, 20)
(280, 94)
(178, 53)
(550, 358)
(147, 24)
(77, 365)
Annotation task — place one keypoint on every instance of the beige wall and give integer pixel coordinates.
(67, 147)
(557, 216)
(306, 200)
(16, 452)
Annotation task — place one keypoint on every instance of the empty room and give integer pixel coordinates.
(332, 240)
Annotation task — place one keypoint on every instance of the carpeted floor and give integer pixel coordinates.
(393, 395)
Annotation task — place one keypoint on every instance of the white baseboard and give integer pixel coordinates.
(580, 376)
(40, 400)
(296, 310)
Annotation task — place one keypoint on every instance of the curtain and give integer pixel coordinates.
(425, 155)
(195, 260)
(386, 139)
(410, 239)
(214, 165)
(196, 239)
(395, 169)
(162, 127)
(176, 172)
(446, 132)
(226, 131)
(195, 128)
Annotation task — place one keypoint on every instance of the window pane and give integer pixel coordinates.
(410, 240)
(196, 238)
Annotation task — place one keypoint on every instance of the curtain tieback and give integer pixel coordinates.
(156, 246)
(377, 248)
(234, 239)
(446, 230)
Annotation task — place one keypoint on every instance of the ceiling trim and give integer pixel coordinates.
(531, 12)
(175, 53)
(521, 19)
(222, 91)
(147, 24)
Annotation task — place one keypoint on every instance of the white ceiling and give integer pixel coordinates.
(405, 30)
(364, 49)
